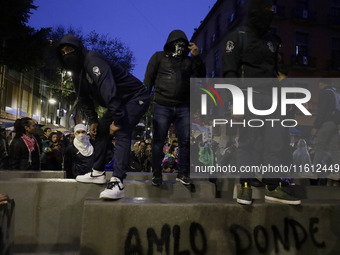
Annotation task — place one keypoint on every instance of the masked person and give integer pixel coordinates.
(99, 81)
(252, 52)
(78, 158)
(169, 72)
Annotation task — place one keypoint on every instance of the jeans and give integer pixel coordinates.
(133, 113)
(163, 116)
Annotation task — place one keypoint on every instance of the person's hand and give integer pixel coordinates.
(93, 129)
(3, 199)
(113, 128)
(193, 49)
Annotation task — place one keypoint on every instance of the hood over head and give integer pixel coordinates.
(259, 16)
(177, 44)
(72, 61)
(302, 144)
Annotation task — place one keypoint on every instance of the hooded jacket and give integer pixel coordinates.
(250, 52)
(102, 82)
(170, 76)
(326, 107)
(301, 155)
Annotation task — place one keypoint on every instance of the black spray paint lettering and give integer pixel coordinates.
(198, 241)
(261, 237)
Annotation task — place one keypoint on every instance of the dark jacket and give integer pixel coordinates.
(75, 163)
(19, 156)
(104, 83)
(250, 55)
(4, 153)
(326, 106)
(170, 76)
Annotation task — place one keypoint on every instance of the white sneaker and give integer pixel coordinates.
(114, 189)
(90, 178)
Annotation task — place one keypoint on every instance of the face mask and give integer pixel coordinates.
(73, 61)
(82, 138)
(178, 49)
(261, 20)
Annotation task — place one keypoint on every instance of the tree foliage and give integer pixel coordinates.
(21, 46)
(111, 48)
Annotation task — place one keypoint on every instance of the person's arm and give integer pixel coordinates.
(323, 108)
(15, 154)
(231, 56)
(101, 74)
(151, 71)
(198, 67)
(85, 101)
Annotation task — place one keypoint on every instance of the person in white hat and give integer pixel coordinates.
(78, 158)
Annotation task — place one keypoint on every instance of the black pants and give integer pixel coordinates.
(266, 145)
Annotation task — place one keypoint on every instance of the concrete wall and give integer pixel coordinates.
(209, 227)
(49, 211)
(7, 228)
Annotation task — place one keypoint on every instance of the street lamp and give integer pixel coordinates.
(52, 101)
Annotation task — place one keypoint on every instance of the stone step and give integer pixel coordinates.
(209, 226)
(49, 211)
(148, 176)
(11, 174)
(303, 192)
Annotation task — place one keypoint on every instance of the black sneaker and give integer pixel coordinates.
(157, 180)
(186, 180)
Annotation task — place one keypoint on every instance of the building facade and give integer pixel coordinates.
(310, 33)
(28, 94)
(309, 29)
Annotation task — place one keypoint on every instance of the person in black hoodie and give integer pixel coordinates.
(24, 151)
(169, 72)
(325, 126)
(99, 81)
(253, 52)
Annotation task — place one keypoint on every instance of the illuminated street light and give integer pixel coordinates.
(52, 101)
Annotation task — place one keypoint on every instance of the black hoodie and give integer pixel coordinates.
(170, 76)
(102, 82)
(252, 52)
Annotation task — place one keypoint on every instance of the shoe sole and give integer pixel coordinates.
(156, 184)
(288, 202)
(111, 198)
(183, 182)
(92, 181)
(244, 202)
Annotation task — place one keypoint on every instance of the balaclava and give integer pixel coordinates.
(259, 17)
(82, 141)
(73, 61)
(178, 49)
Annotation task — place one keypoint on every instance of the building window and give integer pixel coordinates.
(334, 16)
(301, 10)
(301, 49)
(217, 60)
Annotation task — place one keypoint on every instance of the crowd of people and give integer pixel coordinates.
(73, 153)
(251, 51)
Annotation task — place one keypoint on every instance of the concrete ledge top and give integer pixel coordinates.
(202, 201)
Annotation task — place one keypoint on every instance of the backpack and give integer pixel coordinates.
(336, 111)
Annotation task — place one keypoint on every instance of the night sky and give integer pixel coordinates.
(142, 25)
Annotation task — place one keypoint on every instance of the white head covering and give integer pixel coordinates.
(82, 141)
